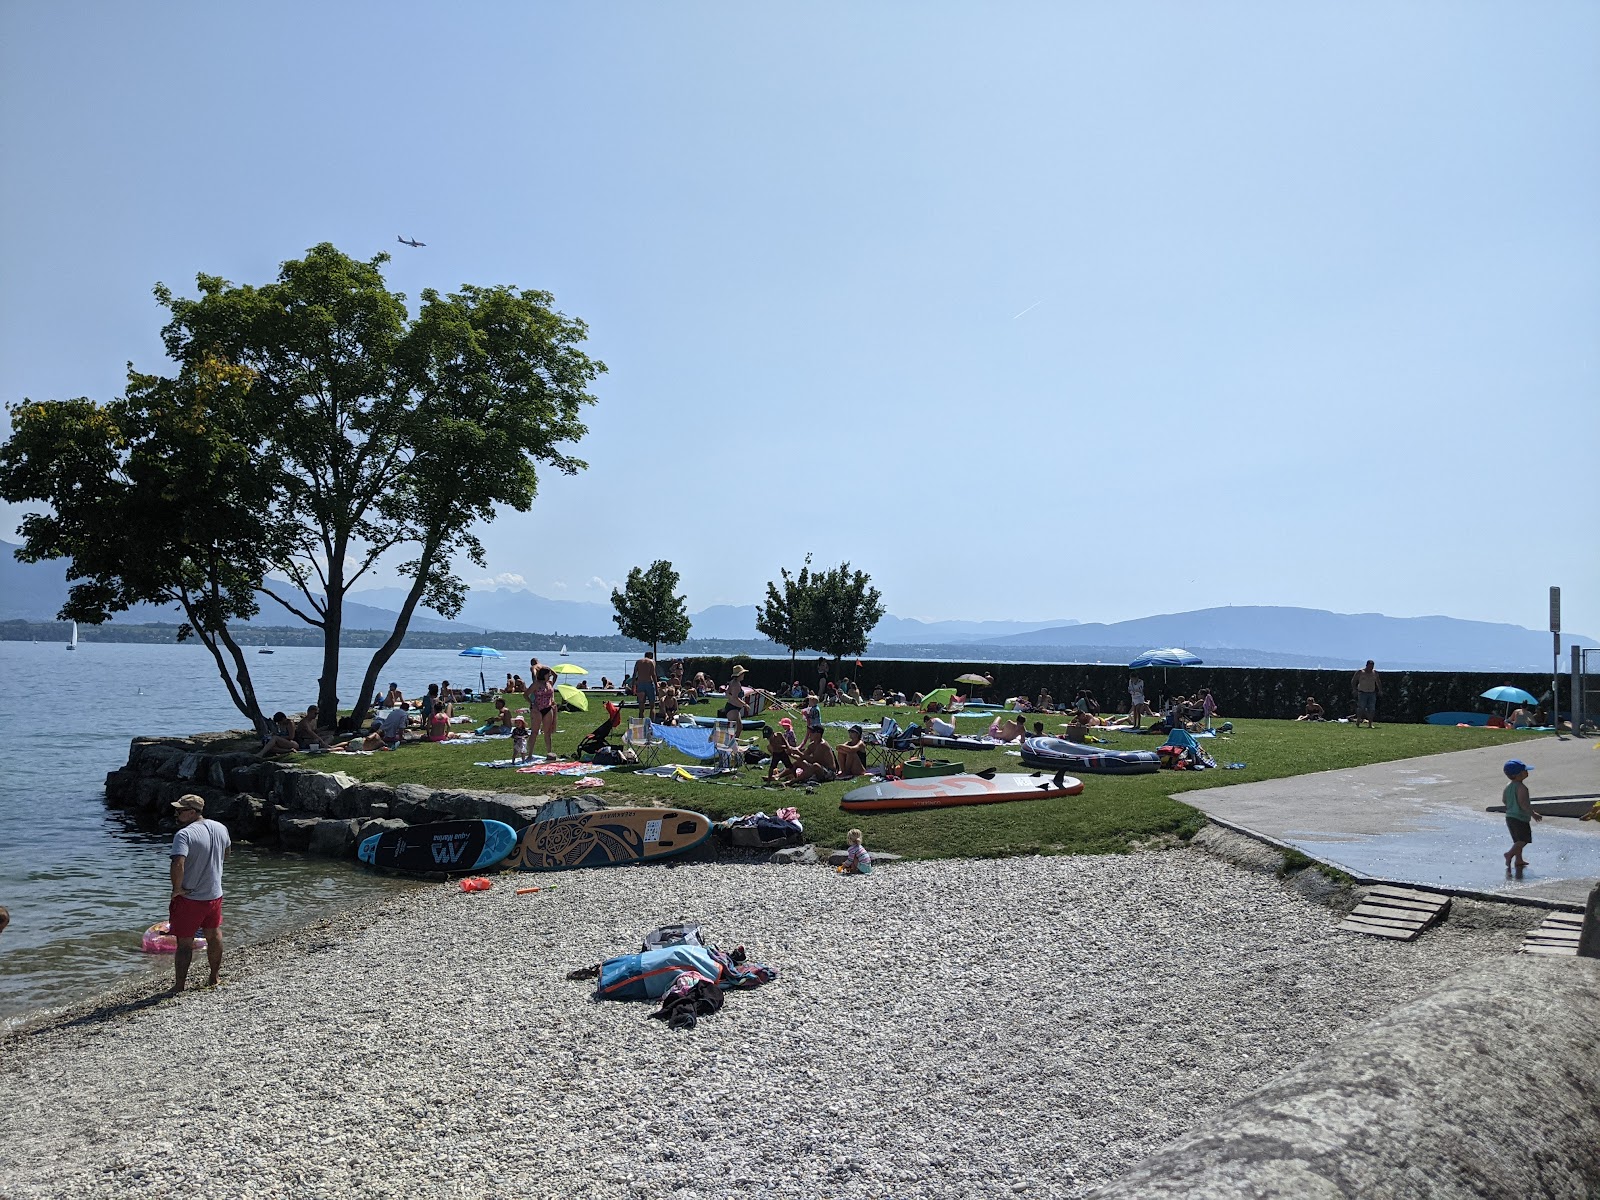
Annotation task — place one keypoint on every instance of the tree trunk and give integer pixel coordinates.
(332, 626)
(382, 655)
(241, 688)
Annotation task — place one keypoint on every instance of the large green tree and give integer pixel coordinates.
(648, 608)
(154, 498)
(374, 437)
(844, 608)
(785, 615)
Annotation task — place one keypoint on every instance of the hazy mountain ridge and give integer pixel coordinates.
(1240, 636)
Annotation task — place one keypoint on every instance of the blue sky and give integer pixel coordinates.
(1029, 310)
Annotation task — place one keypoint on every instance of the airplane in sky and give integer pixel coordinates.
(408, 241)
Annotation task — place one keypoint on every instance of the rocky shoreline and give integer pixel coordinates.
(1027, 1026)
(291, 807)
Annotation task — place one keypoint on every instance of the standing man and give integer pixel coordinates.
(644, 684)
(1367, 689)
(1135, 698)
(822, 677)
(198, 849)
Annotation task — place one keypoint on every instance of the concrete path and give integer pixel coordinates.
(1422, 820)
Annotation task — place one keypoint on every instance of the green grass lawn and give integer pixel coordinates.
(1112, 815)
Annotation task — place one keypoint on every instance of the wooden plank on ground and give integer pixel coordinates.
(1560, 951)
(1399, 903)
(1403, 893)
(1565, 918)
(1369, 919)
(1396, 914)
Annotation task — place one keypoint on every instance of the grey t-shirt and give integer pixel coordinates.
(202, 844)
(392, 722)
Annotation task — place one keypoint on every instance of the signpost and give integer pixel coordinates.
(1555, 661)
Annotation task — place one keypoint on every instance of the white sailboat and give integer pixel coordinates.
(563, 649)
(73, 644)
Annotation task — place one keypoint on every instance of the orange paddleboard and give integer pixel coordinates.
(949, 791)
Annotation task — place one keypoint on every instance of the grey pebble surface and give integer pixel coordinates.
(960, 1028)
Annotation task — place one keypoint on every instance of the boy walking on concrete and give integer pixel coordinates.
(1519, 811)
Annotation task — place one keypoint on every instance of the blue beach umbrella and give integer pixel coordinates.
(1172, 656)
(1509, 695)
(481, 652)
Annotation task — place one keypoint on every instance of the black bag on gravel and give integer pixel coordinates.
(685, 933)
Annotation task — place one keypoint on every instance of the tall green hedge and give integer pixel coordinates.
(1270, 692)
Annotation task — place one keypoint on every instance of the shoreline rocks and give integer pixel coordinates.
(291, 806)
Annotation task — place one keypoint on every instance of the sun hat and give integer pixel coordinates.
(738, 670)
(191, 801)
(1515, 766)
(785, 722)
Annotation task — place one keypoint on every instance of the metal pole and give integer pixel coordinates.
(1577, 687)
(1555, 662)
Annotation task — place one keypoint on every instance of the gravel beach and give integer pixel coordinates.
(957, 1028)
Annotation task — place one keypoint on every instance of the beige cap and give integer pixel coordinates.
(198, 803)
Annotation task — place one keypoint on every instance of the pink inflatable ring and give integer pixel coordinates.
(158, 939)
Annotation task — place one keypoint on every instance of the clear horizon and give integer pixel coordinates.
(1092, 313)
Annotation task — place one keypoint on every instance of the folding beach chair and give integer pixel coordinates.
(888, 747)
(642, 741)
(723, 741)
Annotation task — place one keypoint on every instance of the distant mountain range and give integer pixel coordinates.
(1234, 636)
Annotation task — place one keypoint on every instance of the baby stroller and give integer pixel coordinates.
(597, 740)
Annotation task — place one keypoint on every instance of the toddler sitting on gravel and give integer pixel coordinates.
(856, 861)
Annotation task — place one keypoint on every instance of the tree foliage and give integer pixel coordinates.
(336, 432)
(785, 615)
(843, 610)
(154, 498)
(648, 609)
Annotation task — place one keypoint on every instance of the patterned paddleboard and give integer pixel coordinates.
(899, 795)
(448, 846)
(608, 837)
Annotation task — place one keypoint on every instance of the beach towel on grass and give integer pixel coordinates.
(675, 771)
(562, 768)
(501, 764)
(696, 743)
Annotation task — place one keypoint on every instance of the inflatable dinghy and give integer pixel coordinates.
(1058, 754)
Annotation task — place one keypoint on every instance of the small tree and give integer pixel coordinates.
(844, 608)
(785, 616)
(648, 610)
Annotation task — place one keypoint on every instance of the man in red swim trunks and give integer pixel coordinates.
(198, 850)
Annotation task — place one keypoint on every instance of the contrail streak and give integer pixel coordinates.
(1029, 309)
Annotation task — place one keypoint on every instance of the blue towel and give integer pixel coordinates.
(696, 743)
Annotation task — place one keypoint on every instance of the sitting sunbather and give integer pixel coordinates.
(1313, 711)
(818, 763)
(938, 726)
(306, 734)
(280, 737)
(852, 755)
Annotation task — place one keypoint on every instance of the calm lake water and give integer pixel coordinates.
(81, 882)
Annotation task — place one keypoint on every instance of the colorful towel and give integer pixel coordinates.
(674, 771)
(502, 763)
(562, 768)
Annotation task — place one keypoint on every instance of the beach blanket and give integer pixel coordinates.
(474, 740)
(501, 764)
(696, 743)
(960, 743)
(677, 771)
(562, 768)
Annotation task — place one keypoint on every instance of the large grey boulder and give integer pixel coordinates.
(797, 856)
(360, 800)
(309, 791)
(1484, 1087)
(334, 839)
(410, 804)
(254, 775)
(295, 831)
(367, 828)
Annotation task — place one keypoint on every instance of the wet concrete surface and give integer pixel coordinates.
(1423, 820)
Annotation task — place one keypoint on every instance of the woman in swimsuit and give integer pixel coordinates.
(542, 702)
